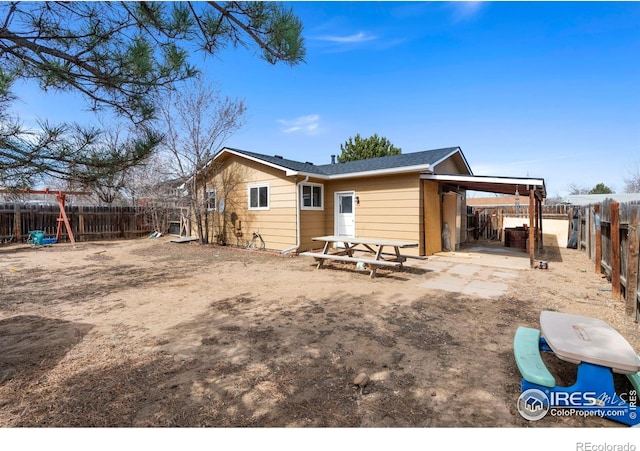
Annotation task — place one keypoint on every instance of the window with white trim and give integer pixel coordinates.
(210, 201)
(259, 197)
(311, 195)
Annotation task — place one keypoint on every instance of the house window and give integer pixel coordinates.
(311, 198)
(259, 197)
(210, 201)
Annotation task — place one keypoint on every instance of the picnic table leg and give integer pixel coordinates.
(374, 267)
(398, 256)
(348, 247)
(379, 252)
(325, 250)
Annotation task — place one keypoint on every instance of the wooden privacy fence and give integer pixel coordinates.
(88, 223)
(487, 223)
(609, 234)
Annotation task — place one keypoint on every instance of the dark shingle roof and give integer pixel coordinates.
(429, 157)
(279, 161)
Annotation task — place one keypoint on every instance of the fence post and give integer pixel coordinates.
(580, 232)
(598, 239)
(632, 264)
(615, 250)
(17, 223)
(80, 221)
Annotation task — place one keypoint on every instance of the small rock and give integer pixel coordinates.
(433, 393)
(361, 380)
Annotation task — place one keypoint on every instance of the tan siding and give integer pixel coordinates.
(452, 165)
(277, 225)
(389, 207)
(446, 167)
(312, 225)
(400, 223)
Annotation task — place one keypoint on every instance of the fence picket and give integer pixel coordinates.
(87, 222)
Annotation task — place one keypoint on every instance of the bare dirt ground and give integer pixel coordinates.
(147, 333)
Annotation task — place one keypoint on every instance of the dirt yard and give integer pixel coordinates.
(148, 333)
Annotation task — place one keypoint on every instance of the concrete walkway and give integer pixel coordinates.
(475, 271)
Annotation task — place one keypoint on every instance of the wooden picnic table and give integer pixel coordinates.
(346, 246)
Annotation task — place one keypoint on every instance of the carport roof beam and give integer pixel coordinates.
(502, 185)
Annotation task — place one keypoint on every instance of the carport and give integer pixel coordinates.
(533, 187)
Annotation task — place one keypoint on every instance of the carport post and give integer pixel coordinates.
(539, 229)
(532, 234)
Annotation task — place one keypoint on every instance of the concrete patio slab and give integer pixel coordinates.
(476, 271)
(485, 289)
(464, 270)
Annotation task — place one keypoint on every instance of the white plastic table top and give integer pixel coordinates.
(363, 240)
(578, 339)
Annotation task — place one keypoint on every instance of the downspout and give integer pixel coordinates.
(298, 237)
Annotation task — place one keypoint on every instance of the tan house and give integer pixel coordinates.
(406, 197)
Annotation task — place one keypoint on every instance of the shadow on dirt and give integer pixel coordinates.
(295, 366)
(80, 283)
(247, 364)
(32, 345)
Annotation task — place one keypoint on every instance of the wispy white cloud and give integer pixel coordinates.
(338, 43)
(464, 11)
(304, 124)
(350, 39)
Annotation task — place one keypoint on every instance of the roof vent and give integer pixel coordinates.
(308, 162)
(333, 159)
(278, 156)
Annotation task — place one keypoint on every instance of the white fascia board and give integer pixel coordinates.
(389, 171)
(489, 179)
(346, 175)
(291, 172)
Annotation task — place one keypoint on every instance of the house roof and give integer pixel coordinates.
(408, 162)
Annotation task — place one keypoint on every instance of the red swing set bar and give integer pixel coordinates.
(61, 196)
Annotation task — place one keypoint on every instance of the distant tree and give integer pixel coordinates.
(358, 148)
(198, 120)
(632, 184)
(601, 188)
(152, 180)
(575, 189)
(110, 183)
(554, 199)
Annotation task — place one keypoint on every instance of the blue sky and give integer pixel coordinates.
(527, 89)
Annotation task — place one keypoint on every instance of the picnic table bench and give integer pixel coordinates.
(373, 247)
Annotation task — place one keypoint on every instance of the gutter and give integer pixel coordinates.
(298, 236)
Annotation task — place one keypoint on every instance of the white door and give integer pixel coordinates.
(345, 224)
